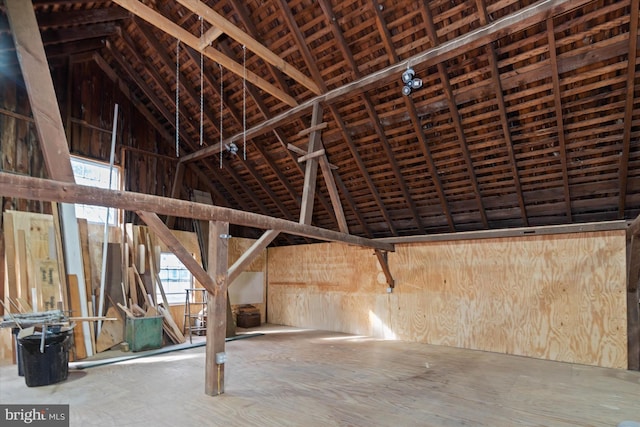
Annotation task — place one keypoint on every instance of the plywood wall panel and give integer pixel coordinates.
(559, 297)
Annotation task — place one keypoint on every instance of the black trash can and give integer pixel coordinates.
(49, 367)
(15, 332)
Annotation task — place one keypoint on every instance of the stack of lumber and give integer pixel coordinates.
(139, 284)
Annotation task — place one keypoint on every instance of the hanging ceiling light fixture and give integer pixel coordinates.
(232, 148)
(410, 81)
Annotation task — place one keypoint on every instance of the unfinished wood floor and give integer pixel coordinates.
(293, 377)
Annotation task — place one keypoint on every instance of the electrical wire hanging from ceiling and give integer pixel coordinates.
(201, 85)
(244, 102)
(178, 98)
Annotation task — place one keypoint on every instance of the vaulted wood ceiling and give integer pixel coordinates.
(529, 113)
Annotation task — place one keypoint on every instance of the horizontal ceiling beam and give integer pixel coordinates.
(524, 18)
(511, 232)
(227, 27)
(25, 187)
(174, 30)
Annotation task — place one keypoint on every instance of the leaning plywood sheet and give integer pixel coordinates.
(32, 255)
(558, 297)
(95, 234)
(112, 332)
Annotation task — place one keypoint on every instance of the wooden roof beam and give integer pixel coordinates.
(264, 110)
(156, 19)
(415, 120)
(483, 17)
(559, 116)
(363, 170)
(475, 38)
(219, 21)
(302, 46)
(346, 52)
(148, 92)
(170, 63)
(26, 187)
(402, 185)
(209, 36)
(628, 107)
(337, 212)
(455, 116)
(80, 17)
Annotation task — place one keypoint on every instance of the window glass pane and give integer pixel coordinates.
(175, 279)
(95, 174)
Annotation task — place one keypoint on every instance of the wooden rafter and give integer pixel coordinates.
(243, 185)
(337, 212)
(42, 97)
(264, 110)
(209, 36)
(302, 45)
(185, 84)
(12, 185)
(283, 179)
(74, 34)
(174, 30)
(447, 50)
(346, 52)
(219, 21)
(413, 114)
(455, 115)
(144, 88)
(401, 183)
(562, 148)
(265, 187)
(483, 17)
(69, 18)
(628, 108)
(363, 170)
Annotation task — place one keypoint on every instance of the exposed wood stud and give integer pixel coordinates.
(495, 77)
(628, 108)
(562, 146)
(457, 123)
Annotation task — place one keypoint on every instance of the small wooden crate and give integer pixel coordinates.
(248, 320)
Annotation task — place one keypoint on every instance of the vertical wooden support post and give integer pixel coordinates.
(311, 169)
(217, 308)
(53, 141)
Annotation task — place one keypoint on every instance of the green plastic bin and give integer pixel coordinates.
(143, 333)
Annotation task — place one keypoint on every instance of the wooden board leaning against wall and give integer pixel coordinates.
(557, 297)
(32, 281)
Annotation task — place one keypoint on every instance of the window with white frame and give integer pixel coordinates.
(175, 278)
(96, 174)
